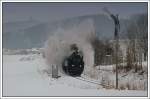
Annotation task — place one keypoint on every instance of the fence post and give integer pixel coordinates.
(54, 71)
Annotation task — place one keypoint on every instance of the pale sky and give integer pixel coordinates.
(57, 11)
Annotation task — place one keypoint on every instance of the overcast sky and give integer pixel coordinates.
(57, 11)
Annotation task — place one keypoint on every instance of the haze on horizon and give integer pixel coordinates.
(57, 11)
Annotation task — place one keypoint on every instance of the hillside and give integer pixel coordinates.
(33, 33)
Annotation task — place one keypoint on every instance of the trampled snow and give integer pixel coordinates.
(26, 75)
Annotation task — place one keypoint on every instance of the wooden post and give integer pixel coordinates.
(54, 71)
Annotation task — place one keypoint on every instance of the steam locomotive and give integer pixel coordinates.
(73, 65)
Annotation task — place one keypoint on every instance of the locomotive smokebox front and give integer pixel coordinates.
(73, 65)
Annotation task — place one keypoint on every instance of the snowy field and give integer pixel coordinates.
(25, 75)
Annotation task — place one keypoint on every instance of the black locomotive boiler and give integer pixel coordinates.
(73, 65)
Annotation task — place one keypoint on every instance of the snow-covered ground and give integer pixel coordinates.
(25, 75)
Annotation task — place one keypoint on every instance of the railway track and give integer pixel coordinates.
(93, 82)
(88, 80)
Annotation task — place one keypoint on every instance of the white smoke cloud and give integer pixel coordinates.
(58, 46)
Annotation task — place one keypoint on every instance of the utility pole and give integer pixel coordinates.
(116, 38)
(116, 58)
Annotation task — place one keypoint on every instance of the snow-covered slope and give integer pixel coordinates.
(26, 75)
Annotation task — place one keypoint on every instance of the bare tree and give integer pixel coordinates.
(137, 33)
(99, 49)
(102, 49)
